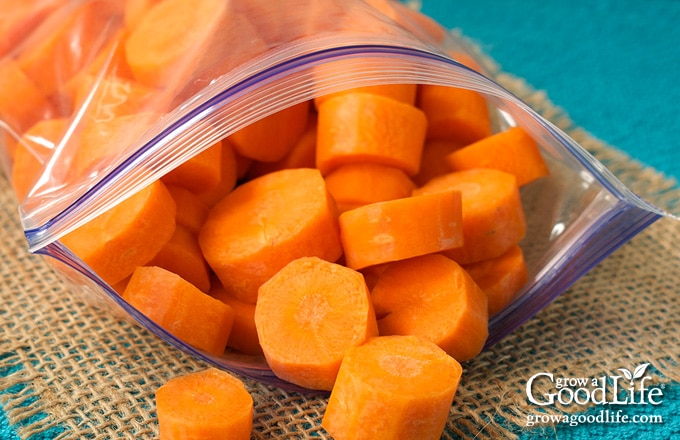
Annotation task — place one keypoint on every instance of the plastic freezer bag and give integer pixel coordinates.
(154, 92)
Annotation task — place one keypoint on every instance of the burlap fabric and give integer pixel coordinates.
(74, 371)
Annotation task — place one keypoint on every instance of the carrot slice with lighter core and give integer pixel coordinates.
(308, 315)
(206, 405)
(433, 297)
(389, 231)
(392, 387)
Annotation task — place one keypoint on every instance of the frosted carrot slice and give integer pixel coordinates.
(191, 211)
(243, 336)
(500, 278)
(267, 222)
(454, 114)
(180, 308)
(229, 173)
(170, 38)
(362, 127)
(209, 405)
(493, 215)
(402, 228)
(392, 387)
(359, 184)
(182, 255)
(512, 151)
(308, 315)
(433, 297)
(202, 172)
(405, 93)
(126, 236)
(433, 161)
(270, 139)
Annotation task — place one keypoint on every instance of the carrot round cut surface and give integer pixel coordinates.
(205, 405)
(402, 228)
(392, 387)
(267, 222)
(308, 315)
(433, 297)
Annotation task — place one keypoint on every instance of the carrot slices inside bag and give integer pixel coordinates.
(209, 405)
(243, 336)
(433, 297)
(308, 315)
(392, 387)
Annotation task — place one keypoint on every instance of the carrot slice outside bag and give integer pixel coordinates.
(493, 215)
(308, 315)
(267, 222)
(403, 228)
(180, 308)
(208, 405)
(392, 387)
(128, 235)
(512, 151)
(433, 297)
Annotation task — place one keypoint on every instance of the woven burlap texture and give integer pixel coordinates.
(79, 372)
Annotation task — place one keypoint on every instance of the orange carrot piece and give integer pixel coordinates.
(493, 215)
(512, 151)
(433, 297)
(267, 222)
(308, 315)
(270, 139)
(390, 231)
(392, 387)
(200, 173)
(110, 96)
(177, 306)
(209, 405)
(19, 19)
(182, 255)
(405, 93)
(32, 152)
(191, 211)
(126, 236)
(243, 336)
(360, 184)
(433, 161)
(169, 39)
(229, 173)
(500, 278)
(134, 10)
(454, 114)
(362, 127)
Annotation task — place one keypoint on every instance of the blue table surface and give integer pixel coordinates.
(612, 65)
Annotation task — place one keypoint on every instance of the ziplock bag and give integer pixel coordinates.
(232, 63)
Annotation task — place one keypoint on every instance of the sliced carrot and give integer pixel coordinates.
(270, 139)
(209, 405)
(182, 255)
(433, 161)
(302, 155)
(191, 211)
(243, 336)
(229, 172)
(454, 114)
(180, 308)
(392, 387)
(512, 151)
(433, 297)
(19, 19)
(134, 10)
(308, 315)
(360, 184)
(32, 152)
(363, 127)
(402, 228)
(500, 278)
(169, 39)
(493, 215)
(103, 99)
(405, 93)
(267, 222)
(126, 236)
(202, 172)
